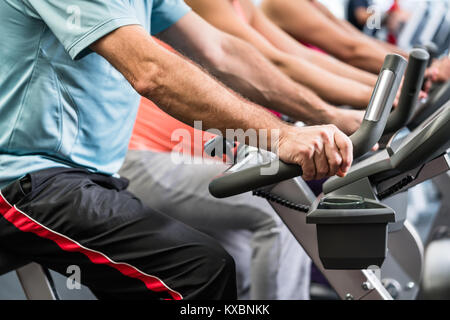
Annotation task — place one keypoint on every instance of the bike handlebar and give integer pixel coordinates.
(370, 131)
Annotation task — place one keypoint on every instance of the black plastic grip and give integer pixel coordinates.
(249, 179)
(415, 71)
(380, 105)
(233, 183)
(436, 99)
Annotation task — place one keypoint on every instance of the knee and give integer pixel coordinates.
(215, 274)
(217, 261)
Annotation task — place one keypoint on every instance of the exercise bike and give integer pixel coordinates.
(345, 230)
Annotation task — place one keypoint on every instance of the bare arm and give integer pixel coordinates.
(241, 67)
(318, 30)
(329, 86)
(283, 41)
(185, 92)
(340, 22)
(351, 29)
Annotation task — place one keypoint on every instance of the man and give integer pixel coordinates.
(70, 79)
(331, 79)
(310, 22)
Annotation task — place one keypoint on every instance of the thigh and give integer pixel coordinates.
(181, 190)
(66, 217)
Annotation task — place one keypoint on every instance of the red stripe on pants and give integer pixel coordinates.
(24, 223)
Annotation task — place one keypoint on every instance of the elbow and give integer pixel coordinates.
(213, 57)
(146, 83)
(349, 52)
(143, 88)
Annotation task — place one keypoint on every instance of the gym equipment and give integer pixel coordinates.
(442, 36)
(436, 278)
(437, 97)
(34, 279)
(415, 71)
(363, 139)
(407, 160)
(419, 15)
(437, 15)
(429, 25)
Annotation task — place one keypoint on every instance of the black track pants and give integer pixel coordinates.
(62, 217)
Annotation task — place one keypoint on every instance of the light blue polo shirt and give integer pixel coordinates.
(60, 103)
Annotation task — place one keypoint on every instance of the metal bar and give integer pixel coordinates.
(34, 282)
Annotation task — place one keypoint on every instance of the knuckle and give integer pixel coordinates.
(317, 144)
(325, 135)
(333, 164)
(332, 127)
(307, 151)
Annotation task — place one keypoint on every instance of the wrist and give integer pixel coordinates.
(282, 133)
(330, 114)
(326, 115)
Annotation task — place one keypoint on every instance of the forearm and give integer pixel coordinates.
(363, 55)
(329, 86)
(245, 70)
(357, 33)
(285, 43)
(318, 30)
(180, 88)
(391, 48)
(343, 69)
(187, 93)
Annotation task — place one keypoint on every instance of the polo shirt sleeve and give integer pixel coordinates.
(79, 23)
(166, 13)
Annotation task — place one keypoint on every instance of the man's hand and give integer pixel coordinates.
(438, 72)
(321, 151)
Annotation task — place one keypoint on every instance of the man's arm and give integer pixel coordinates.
(329, 86)
(318, 30)
(351, 29)
(241, 67)
(283, 41)
(182, 90)
(340, 22)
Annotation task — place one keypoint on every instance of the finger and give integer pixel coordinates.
(308, 167)
(427, 86)
(422, 94)
(341, 174)
(435, 75)
(376, 147)
(322, 167)
(333, 157)
(345, 149)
